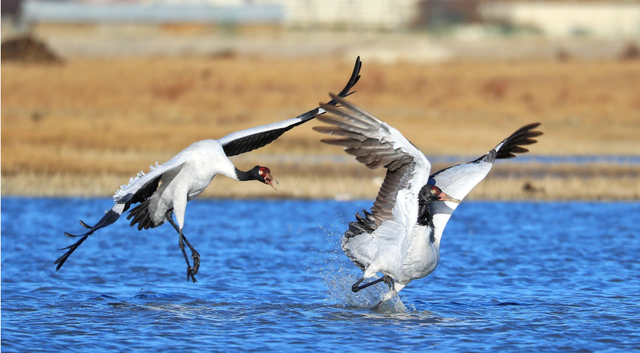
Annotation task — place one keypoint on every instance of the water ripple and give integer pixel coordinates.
(524, 277)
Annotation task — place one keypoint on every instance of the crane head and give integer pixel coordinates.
(264, 175)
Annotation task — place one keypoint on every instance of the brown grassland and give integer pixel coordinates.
(84, 127)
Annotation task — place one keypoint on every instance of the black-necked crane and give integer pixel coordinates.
(400, 237)
(166, 189)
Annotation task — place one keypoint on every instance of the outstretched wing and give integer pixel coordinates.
(139, 189)
(460, 179)
(376, 144)
(248, 140)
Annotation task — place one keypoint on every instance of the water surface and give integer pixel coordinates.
(525, 277)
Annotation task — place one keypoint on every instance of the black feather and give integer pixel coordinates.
(109, 218)
(252, 142)
(512, 144)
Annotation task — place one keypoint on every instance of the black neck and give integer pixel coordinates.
(424, 215)
(248, 175)
(425, 218)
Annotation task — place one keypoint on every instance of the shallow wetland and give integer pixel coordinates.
(513, 276)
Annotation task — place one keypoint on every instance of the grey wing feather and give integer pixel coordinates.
(370, 140)
(396, 179)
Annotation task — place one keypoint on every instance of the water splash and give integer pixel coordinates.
(339, 274)
(339, 284)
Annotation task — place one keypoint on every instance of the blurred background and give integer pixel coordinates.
(94, 91)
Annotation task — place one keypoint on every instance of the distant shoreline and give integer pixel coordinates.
(504, 183)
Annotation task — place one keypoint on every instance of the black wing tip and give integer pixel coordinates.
(521, 137)
(70, 249)
(526, 131)
(60, 261)
(73, 236)
(109, 217)
(355, 77)
(531, 126)
(350, 93)
(250, 143)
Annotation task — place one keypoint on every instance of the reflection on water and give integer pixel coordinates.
(513, 276)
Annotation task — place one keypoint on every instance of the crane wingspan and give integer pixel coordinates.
(459, 180)
(375, 144)
(251, 139)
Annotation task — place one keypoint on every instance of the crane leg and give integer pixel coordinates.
(386, 279)
(194, 255)
(191, 271)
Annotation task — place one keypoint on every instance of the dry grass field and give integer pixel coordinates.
(84, 127)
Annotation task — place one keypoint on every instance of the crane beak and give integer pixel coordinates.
(269, 179)
(445, 197)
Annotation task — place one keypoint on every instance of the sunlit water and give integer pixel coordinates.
(525, 277)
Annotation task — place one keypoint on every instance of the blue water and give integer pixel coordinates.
(521, 277)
